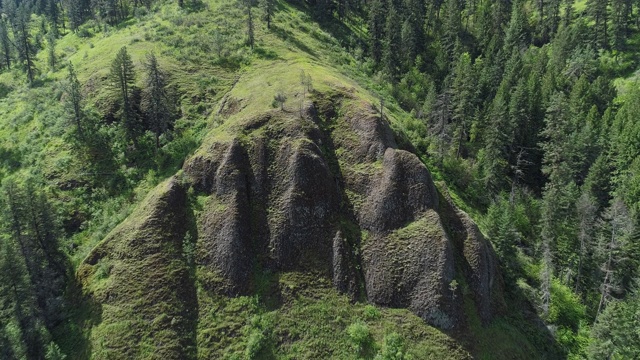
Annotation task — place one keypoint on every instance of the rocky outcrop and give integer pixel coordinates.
(328, 193)
(333, 194)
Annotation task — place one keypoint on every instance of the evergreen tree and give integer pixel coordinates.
(5, 44)
(268, 8)
(53, 15)
(615, 334)
(409, 43)
(451, 28)
(516, 35)
(597, 10)
(586, 208)
(553, 18)
(23, 40)
(18, 315)
(414, 39)
(501, 229)
(107, 10)
(568, 13)
(618, 228)
(392, 44)
(463, 97)
(37, 274)
(377, 21)
(620, 13)
(598, 184)
(78, 11)
(250, 26)
(74, 100)
(122, 77)
(500, 132)
(51, 51)
(557, 147)
(500, 14)
(156, 101)
(324, 9)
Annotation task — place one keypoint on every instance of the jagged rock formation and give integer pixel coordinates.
(329, 192)
(333, 194)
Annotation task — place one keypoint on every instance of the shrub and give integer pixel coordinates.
(259, 339)
(371, 312)
(360, 336)
(566, 308)
(256, 343)
(393, 348)
(54, 352)
(103, 269)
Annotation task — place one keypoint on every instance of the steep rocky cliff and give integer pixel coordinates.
(320, 188)
(323, 190)
(329, 191)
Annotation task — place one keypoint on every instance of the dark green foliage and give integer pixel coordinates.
(323, 9)
(451, 27)
(514, 103)
(33, 267)
(122, 77)
(268, 9)
(413, 35)
(615, 333)
(5, 45)
(74, 100)
(157, 104)
(464, 102)
(51, 51)
(108, 10)
(22, 38)
(78, 11)
(377, 15)
(53, 15)
(597, 11)
(251, 37)
(392, 44)
(516, 35)
(503, 227)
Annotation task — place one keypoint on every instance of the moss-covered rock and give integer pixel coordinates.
(141, 283)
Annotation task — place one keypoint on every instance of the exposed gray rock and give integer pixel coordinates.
(413, 267)
(290, 194)
(224, 238)
(480, 265)
(303, 224)
(400, 195)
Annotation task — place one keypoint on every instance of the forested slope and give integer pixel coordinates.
(239, 179)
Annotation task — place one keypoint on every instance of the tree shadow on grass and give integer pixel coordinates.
(288, 36)
(332, 25)
(83, 313)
